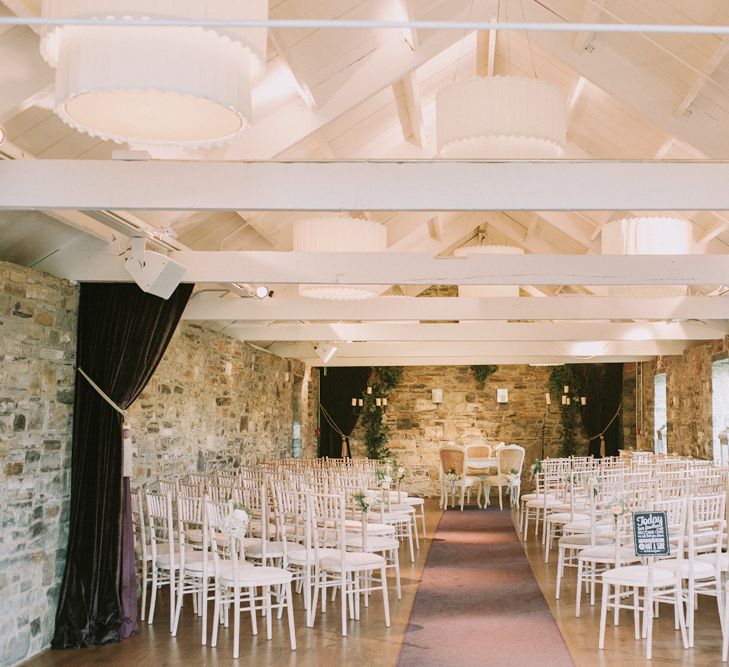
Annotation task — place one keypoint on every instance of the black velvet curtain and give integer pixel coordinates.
(336, 390)
(122, 336)
(603, 386)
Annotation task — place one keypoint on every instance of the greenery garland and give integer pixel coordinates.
(559, 377)
(481, 373)
(376, 434)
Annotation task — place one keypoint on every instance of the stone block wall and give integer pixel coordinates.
(215, 402)
(38, 350)
(689, 400)
(469, 414)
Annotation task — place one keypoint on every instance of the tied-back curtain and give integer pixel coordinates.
(122, 336)
(337, 389)
(603, 386)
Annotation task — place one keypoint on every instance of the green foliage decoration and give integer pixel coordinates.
(482, 373)
(569, 414)
(376, 433)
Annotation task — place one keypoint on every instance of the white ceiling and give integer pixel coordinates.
(370, 95)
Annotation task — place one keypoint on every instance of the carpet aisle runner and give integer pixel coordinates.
(478, 602)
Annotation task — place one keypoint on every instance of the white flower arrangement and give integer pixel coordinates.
(385, 482)
(398, 472)
(236, 522)
(452, 476)
(514, 478)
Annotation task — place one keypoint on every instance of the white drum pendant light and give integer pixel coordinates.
(181, 86)
(501, 117)
(648, 236)
(340, 234)
(486, 291)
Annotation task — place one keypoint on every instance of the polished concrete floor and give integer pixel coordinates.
(371, 644)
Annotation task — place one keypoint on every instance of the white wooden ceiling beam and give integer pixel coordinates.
(574, 351)
(591, 14)
(409, 109)
(372, 186)
(632, 84)
(445, 359)
(284, 53)
(291, 124)
(203, 307)
(472, 331)
(24, 75)
(414, 268)
(706, 72)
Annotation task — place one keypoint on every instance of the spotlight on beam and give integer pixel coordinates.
(153, 272)
(326, 351)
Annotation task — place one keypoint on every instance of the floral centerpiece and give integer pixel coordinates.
(363, 503)
(236, 521)
(514, 480)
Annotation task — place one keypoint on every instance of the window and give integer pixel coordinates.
(659, 414)
(719, 404)
(296, 405)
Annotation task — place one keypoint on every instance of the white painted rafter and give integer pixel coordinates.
(552, 331)
(203, 307)
(415, 268)
(409, 109)
(372, 186)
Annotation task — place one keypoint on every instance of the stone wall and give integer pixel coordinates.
(468, 414)
(38, 351)
(689, 399)
(215, 402)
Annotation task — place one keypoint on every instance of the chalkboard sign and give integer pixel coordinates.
(650, 530)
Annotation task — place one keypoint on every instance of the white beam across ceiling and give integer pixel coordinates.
(445, 359)
(413, 268)
(575, 351)
(204, 308)
(472, 331)
(365, 186)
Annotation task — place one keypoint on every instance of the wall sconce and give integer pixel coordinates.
(437, 395)
(502, 395)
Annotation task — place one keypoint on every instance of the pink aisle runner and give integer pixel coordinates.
(478, 602)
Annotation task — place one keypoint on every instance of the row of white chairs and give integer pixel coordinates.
(305, 530)
(584, 508)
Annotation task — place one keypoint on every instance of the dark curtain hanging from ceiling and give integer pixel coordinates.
(122, 335)
(337, 389)
(603, 386)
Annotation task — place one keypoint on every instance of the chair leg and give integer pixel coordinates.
(560, 564)
(144, 588)
(501, 499)
(463, 495)
(236, 623)
(153, 601)
(343, 585)
(578, 595)
(172, 599)
(603, 613)
(385, 596)
(204, 610)
(396, 558)
(178, 606)
(216, 617)
(290, 616)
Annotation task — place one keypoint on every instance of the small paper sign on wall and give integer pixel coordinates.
(650, 530)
